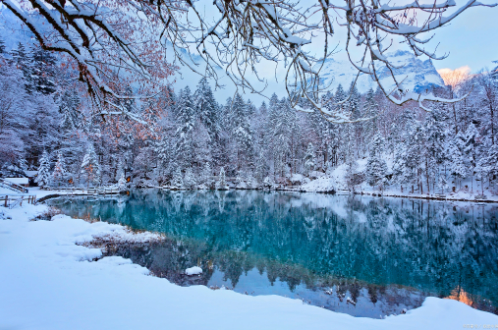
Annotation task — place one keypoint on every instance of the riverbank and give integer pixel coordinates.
(51, 280)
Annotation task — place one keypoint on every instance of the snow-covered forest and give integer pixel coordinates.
(46, 125)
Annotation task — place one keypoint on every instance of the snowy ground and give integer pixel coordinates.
(47, 281)
(335, 180)
(36, 191)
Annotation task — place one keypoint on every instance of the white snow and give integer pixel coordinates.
(193, 270)
(18, 180)
(47, 281)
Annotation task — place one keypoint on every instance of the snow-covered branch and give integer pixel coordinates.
(124, 38)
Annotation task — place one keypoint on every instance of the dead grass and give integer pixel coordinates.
(48, 214)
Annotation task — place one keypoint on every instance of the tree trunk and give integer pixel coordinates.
(491, 110)
(427, 175)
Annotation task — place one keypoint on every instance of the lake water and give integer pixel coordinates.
(359, 255)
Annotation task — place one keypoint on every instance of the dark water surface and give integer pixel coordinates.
(358, 255)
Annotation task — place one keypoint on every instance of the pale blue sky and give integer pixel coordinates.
(472, 39)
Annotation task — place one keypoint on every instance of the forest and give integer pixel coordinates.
(194, 142)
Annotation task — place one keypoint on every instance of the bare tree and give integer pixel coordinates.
(490, 98)
(124, 37)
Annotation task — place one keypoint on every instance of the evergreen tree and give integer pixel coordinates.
(177, 181)
(121, 182)
(189, 180)
(371, 110)
(185, 119)
(309, 158)
(222, 184)
(242, 134)
(69, 113)
(458, 168)
(43, 65)
(90, 167)
(376, 166)
(206, 108)
(21, 60)
(2, 47)
(43, 175)
(59, 169)
(414, 156)
(207, 174)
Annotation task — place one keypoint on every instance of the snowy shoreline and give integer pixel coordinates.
(298, 190)
(50, 280)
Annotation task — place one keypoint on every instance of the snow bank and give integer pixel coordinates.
(50, 282)
(19, 181)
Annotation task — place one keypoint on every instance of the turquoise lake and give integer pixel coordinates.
(359, 255)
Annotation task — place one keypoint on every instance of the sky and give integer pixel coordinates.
(471, 40)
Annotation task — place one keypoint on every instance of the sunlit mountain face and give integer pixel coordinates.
(455, 77)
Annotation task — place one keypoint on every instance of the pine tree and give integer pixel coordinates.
(399, 165)
(43, 70)
(122, 182)
(2, 47)
(242, 134)
(281, 138)
(376, 166)
(189, 180)
(207, 174)
(261, 167)
(177, 181)
(371, 110)
(222, 184)
(185, 118)
(59, 169)
(310, 158)
(488, 164)
(21, 60)
(43, 176)
(90, 167)
(458, 168)
(206, 108)
(70, 116)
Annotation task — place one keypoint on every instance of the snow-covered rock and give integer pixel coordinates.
(315, 175)
(298, 179)
(193, 270)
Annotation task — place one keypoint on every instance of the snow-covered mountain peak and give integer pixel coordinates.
(417, 75)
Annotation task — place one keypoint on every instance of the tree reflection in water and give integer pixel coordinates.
(358, 255)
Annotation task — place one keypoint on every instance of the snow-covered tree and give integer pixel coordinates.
(59, 169)
(206, 108)
(43, 71)
(43, 176)
(177, 181)
(122, 182)
(185, 119)
(189, 181)
(90, 167)
(207, 175)
(310, 158)
(376, 165)
(222, 184)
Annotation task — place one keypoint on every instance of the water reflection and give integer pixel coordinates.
(361, 255)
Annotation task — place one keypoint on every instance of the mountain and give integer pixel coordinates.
(418, 75)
